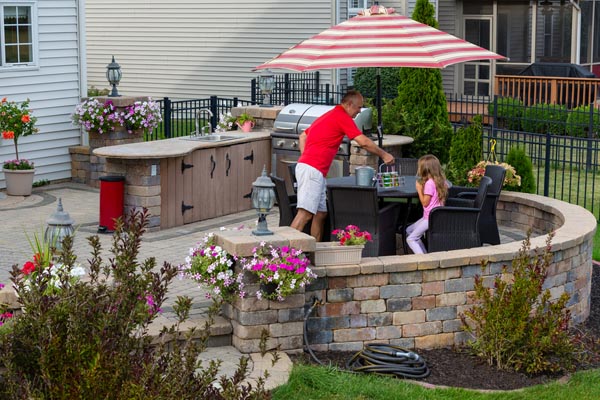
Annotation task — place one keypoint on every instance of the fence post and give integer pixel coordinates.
(253, 90)
(590, 136)
(547, 164)
(214, 110)
(167, 117)
(235, 101)
(286, 89)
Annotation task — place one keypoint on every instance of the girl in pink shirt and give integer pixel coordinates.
(432, 190)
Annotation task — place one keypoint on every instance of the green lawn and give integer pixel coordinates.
(315, 383)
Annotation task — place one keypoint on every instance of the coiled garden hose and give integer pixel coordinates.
(377, 357)
(389, 360)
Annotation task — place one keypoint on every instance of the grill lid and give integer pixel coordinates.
(295, 118)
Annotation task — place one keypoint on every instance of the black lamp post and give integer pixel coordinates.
(60, 225)
(263, 199)
(266, 84)
(113, 74)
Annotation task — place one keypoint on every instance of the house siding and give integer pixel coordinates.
(194, 49)
(53, 87)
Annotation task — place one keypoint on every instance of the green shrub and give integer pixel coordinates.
(509, 113)
(89, 338)
(516, 326)
(465, 151)
(518, 158)
(545, 118)
(365, 81)
(94, 92)
(578, 122)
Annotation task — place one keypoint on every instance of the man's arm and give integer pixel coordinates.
(372, 148)
(302, 141)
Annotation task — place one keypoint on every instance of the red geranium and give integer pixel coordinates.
(28, 268)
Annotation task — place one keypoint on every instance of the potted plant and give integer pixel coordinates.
(92, 115)
(280, 270)
(145, 115)
(347, 250)
(245, 122)
(16, 121)
(210, 265)
(510, 179)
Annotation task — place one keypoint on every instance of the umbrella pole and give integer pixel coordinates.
(379, 116)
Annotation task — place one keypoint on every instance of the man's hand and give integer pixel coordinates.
(387, 158)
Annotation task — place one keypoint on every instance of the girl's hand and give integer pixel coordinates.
(419, 186)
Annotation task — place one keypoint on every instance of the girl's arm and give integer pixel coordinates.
(423, 198)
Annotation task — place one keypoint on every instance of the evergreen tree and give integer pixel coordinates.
(465, 151)
(421, 102)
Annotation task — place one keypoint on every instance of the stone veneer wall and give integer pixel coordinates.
(413, 301)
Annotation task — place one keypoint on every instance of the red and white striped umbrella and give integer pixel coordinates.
(379, 38)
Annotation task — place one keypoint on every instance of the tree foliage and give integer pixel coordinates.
(465, 151)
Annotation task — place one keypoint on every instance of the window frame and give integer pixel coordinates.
(353, 11)
(34, 36)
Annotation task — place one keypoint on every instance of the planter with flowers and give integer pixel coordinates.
(112, 121)
(281, 271)
(346, 251)
(226, 122)
(16, 121)
(245, 122)
(510, 179)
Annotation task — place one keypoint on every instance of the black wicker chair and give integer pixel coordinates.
(287, 204)
(359, 205)
(407, 166)
(292, 171)
(452, 228)
(488, 226)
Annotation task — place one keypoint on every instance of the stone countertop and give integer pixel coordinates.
(176, 147)
(393, 140)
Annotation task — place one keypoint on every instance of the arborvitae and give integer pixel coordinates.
(465, 151)
(421, 102)
(518, 158)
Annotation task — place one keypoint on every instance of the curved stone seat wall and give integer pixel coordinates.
(413, 301)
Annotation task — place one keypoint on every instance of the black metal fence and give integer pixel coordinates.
(179, 116)
(563, 144)
(299, 88)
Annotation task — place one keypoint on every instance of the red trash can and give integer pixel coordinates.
(112, 190)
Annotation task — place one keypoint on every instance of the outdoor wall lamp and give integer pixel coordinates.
(263, 199)
(113, 74)
(266, 84)
(60, 225)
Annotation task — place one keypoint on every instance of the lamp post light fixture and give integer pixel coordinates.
(113, 74)
(266, 84)
(263, 199)
(60, 225)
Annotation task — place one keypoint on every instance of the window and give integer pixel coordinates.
(17, 34)
(354, 6)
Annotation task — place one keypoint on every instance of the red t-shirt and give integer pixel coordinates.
(324, 137)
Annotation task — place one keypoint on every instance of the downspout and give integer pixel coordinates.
(575, 33)
(80, 4)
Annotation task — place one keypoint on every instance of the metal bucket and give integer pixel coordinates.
(364, 176)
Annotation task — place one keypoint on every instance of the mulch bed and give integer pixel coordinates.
(456, 368)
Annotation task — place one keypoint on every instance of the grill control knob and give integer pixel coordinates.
(281, 143)
(294, 144)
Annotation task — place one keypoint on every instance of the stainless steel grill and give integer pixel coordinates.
(293, 120)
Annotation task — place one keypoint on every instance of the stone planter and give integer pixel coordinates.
(332, 253)
(18, 182)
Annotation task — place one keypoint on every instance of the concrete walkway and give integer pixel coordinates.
(23, 216)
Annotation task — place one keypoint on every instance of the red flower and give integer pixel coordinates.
(8, 135)
(25, 118)
(28, 268)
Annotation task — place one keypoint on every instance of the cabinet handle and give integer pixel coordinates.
(228, 164)
(250, 157)
(185, 166)
(249, 195)
(185, 207)
(213, 164)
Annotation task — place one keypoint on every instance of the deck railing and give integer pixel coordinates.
(571, 92)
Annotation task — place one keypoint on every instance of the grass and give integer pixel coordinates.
(315, 383)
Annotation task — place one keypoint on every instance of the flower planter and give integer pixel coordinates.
(18, 182)
(332, 253)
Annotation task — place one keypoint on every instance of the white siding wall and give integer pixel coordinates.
(53, 88)
(195, 48)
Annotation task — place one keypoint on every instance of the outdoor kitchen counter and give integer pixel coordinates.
(176, 147)
(394, 140)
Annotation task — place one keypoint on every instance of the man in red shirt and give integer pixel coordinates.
(318, 146)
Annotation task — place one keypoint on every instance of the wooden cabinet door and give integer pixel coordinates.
(204, 194)
(171, 181)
